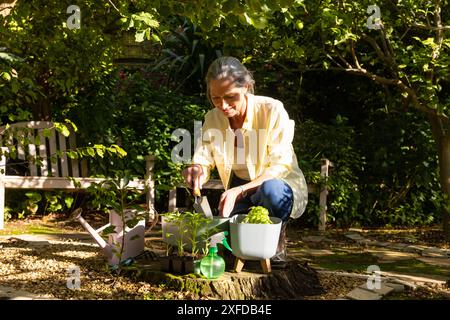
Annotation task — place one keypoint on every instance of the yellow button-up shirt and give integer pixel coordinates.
(268, 133)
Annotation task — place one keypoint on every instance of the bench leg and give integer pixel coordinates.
(2, 205)
(150, 186)
(2, 189)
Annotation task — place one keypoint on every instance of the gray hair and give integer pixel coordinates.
(232, 69)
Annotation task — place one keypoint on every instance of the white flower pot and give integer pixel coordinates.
(251, 241)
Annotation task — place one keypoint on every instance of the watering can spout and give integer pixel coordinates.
(106, 248)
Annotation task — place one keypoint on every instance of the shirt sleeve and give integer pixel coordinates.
(280, 150)
(203, 154)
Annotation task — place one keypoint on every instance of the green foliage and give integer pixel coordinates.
(177, 219)
(133, 114)
(37, 203)
(56, 62)
(400, 184)
(197, 224)
(192, 230)
(259, 215)
(144, 23)
(115, 193)
(344, 197)
(185, 57)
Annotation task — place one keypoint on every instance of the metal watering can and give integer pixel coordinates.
(134, 241)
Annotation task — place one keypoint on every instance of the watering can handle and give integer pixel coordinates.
(76, 214)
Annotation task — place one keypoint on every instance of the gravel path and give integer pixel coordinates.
(42, 268)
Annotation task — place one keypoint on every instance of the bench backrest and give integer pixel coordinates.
(26, 142)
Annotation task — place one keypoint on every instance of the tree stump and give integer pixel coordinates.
(297, 280)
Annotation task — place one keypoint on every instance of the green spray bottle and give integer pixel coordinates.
(213, 266)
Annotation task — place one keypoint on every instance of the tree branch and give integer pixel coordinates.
(334, 60)
(428, 27)
(405, 33)
(114, 6)
(373, 43)
(387, 44)
(403, 87)
(439, 33)
(355, 58)
(347, 65)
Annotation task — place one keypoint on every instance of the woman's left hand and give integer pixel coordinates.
(228, 200)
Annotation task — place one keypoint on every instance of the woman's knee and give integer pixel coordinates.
(277, 196)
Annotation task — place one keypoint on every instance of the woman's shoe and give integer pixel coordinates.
(278, 261)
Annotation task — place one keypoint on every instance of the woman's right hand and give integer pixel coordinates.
(193, 175)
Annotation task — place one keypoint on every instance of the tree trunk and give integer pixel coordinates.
(442, 138)
(444, 172)
(42, 111)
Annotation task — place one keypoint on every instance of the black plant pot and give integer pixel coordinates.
(192, 265)
(166, 264)
(180, 265)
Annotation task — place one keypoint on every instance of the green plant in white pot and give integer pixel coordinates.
(255, 236)
(257, 215)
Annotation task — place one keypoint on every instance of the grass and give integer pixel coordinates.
(413, 266)
(29, 228)
(351, 262)
(358, 262)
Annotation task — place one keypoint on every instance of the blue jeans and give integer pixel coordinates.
(274, 194)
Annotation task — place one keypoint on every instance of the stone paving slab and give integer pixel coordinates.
(381, 244)
(319, 252)
(362, 294)
(417, 279)
(411, 249)
(9, 293)
(354, 236)
(398, 246)
(367, 242)
(354, 230)
(315, 239)
(383, 290)
(44, 240)
(419, 248)
(396, 287)
(441, 262)
(434, 253)
(80, 237)
(386, 255)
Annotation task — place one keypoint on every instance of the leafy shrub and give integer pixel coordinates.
(131, 112)
(310, 146)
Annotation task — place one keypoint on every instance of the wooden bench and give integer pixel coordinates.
(216, 184)
(54, 170)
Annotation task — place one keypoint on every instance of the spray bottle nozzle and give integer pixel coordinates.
(220, 237)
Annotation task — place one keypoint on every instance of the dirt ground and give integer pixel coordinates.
(44, 268)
